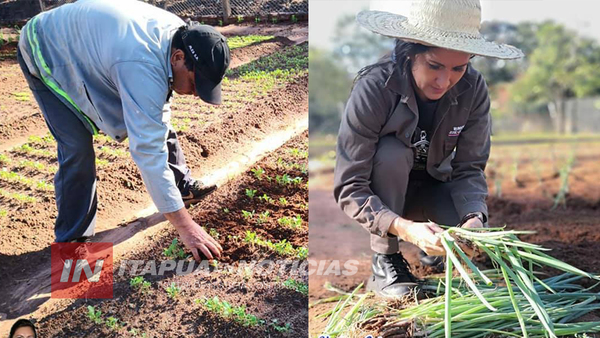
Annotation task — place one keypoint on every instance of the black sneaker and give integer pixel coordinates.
(391, 276)
(435, 262)
(198, 191)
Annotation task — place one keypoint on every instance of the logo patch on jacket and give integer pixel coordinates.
(456, 131)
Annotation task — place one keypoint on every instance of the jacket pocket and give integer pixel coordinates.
(92, 109)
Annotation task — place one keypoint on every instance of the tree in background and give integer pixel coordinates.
(521, 36)
(356, 47)
(562, 66)
(329, 86)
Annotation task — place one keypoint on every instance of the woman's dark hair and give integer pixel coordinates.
(402, 53)
(177, 42)
(22, 323)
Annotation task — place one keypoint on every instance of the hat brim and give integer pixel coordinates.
(209, 91)
(398, 26)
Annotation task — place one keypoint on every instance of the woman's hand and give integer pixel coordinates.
(422, 234)
(474, 222)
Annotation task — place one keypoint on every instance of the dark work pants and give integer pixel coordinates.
(415, 199)
(75, 180)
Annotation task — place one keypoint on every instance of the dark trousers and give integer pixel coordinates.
(418, 200)
(75, 180)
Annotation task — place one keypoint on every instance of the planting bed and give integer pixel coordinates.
(274, 303)
(264, 93)
(523, 182)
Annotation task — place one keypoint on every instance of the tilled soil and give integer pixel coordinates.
(261, 293)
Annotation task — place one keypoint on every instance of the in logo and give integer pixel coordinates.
(82, 270)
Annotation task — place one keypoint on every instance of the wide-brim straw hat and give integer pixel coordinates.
(450, 24)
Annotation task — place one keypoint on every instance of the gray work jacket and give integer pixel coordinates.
(108, 60)
(382, 103)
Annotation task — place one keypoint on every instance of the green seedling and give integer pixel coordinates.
(214, 233)
(565, 171)
(498, 187)
(247, 215)
(296, 286)
(298, 153)
(257, 19)
(94, 315)
(291, 222)
(263, 217)
(220, 22)
(138, 283)
(173, 290)
(283, 180)
(112, 323)
(283, 329)
(135, 333)
(18, 197)
(35, 152)
(250, 193)
(240, 19)
(174, 251)
(283, 247)
(274, 20)
(48, 139)
(21, 96)
(226, 310)
(266, 198)
(294, 19)
(214, 263)
(42, 185)
(258, 172)
(226, 210)
(101, 162)
(17, 178)
(3, 213)
(113, 152)
(4, 159)
(32, 164)
(283, 201)
(246, 40)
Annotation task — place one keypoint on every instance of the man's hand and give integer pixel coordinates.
(193, 236)
(424, 235)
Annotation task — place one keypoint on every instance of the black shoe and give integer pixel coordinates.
(435, 262)
(391, 276)
(198, 191)
(79, 252)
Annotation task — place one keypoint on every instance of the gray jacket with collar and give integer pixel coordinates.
(108, 60)
(382, 103)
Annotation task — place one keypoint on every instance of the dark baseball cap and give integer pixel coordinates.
(210, 52)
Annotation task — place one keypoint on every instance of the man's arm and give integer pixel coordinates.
(143, 91)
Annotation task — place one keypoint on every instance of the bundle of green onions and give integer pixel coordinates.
(507, 301)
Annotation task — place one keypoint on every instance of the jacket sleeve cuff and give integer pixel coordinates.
(470, 207)
(382, 223)
(172, 207)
